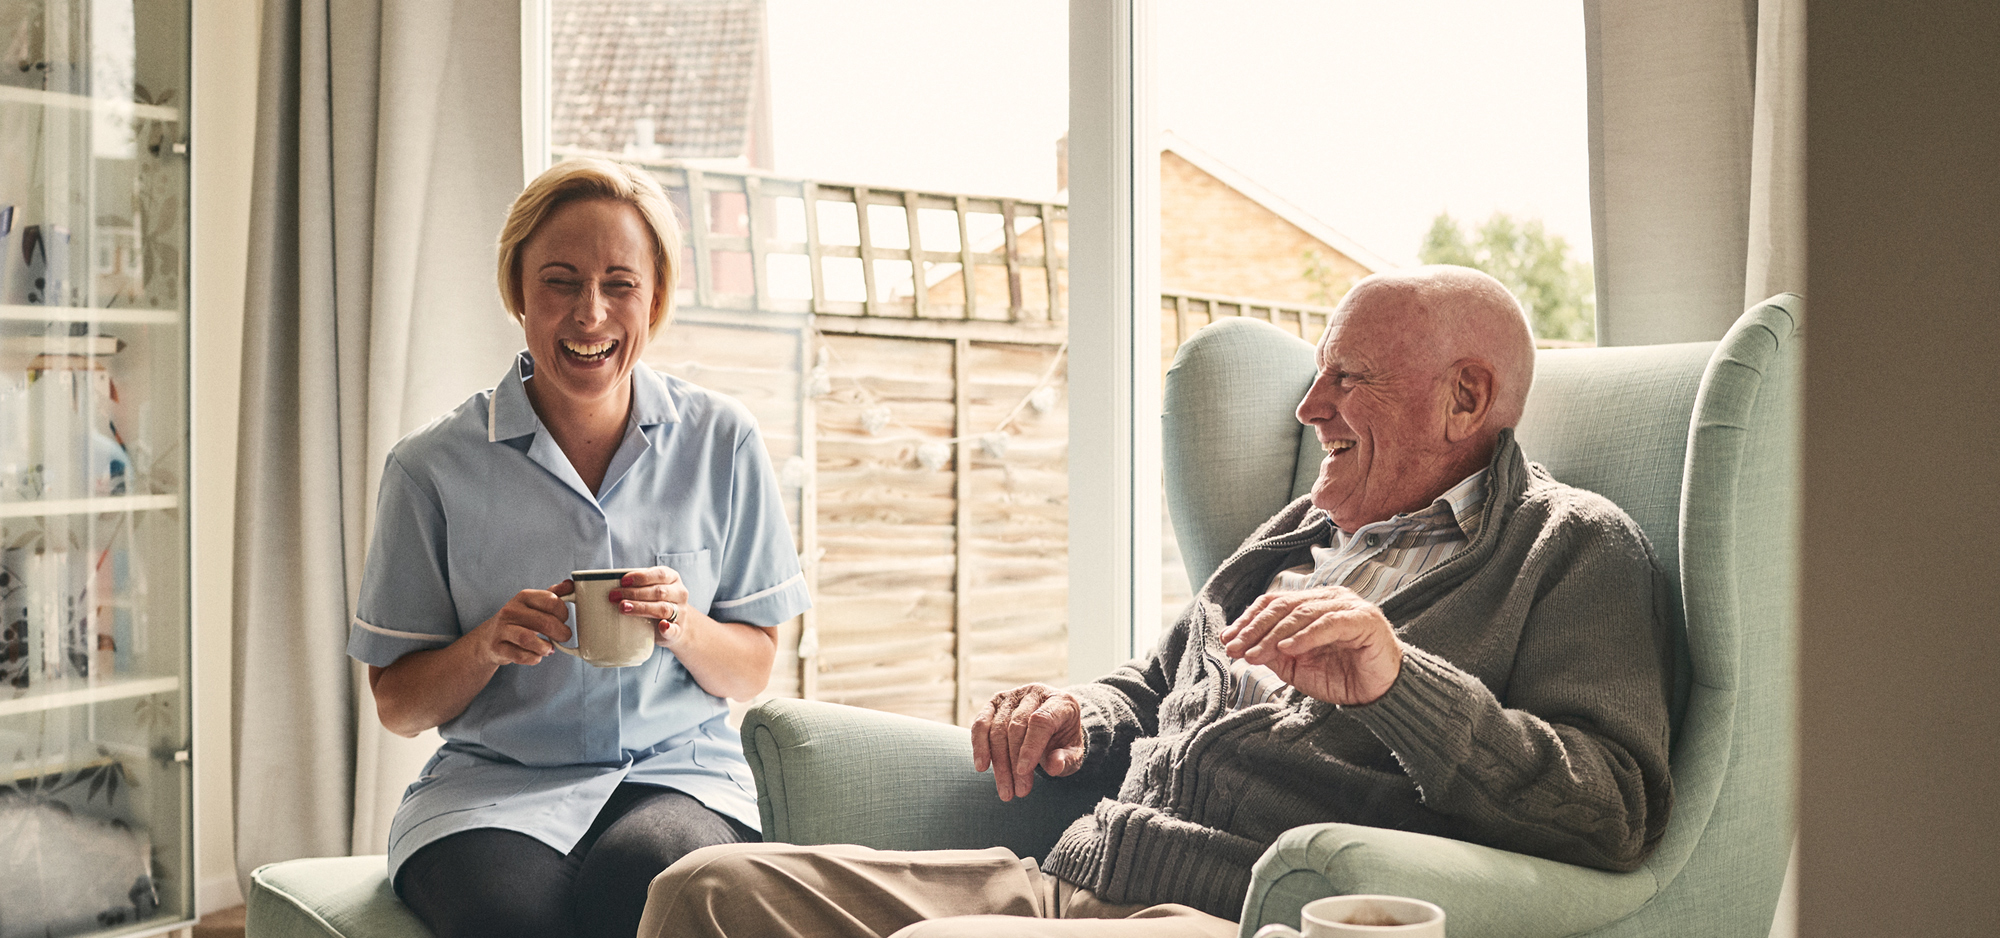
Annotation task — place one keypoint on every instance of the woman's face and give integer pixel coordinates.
(587, 288)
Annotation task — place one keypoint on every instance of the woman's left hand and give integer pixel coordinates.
(656, 593)
(728, 659)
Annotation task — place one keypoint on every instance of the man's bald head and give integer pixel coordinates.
(1419, 372)
(1461, 314)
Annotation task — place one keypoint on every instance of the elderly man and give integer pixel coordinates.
(1439, 638)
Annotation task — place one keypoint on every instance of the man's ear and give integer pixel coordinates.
(1469, 399)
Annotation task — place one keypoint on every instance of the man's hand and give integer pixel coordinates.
(1327, 642)
(1018, 729)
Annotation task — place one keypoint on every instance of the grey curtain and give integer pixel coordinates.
(1697, 130)
(388, 147)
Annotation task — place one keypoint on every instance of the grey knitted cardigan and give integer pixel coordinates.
(1530, 714)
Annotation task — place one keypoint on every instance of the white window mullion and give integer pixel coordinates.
(1114, 379)
(535, 38)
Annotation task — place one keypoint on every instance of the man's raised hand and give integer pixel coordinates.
(1019, 729)
(1327, 642)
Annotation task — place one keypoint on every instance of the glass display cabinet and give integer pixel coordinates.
(95, 773)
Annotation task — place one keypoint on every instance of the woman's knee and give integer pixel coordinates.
(488, 882)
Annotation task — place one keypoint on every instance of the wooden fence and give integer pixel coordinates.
(916, 416)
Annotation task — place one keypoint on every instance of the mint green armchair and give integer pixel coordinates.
(1697, 442)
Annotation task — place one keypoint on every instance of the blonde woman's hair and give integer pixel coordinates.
(580, 179)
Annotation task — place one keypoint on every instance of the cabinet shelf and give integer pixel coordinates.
(88, 506)
(35, 97)
(116, 689)
(130, 315)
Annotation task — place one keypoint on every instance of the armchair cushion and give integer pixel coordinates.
(328, 897)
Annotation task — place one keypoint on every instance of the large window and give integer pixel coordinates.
(875, 266)
(879, 263)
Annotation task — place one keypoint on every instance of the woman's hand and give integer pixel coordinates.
(728, 659)
(424, 689)
(525, 630)
(656, 593)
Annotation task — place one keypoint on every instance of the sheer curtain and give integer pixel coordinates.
(388, 148)
(1697, 120)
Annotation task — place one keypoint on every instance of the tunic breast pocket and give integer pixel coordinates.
(697, 570)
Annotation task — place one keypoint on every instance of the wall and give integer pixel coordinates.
(1214, 239)
(1900, 758)
(224, 115)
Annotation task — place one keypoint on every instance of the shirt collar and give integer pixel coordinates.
(1462, 506)
(509, 415)
(1466, 502)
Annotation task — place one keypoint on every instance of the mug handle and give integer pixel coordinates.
(1275, 930)
(565, 649)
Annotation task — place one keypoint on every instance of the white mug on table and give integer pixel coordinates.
(1358, 916)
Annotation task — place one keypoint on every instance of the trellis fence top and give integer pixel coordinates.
(768, 243)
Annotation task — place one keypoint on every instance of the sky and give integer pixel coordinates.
(1370, 116)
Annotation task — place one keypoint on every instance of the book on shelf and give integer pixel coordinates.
(60, 615)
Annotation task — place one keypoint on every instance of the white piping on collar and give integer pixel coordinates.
(492, 400)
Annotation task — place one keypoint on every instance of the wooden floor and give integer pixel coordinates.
(227, 923)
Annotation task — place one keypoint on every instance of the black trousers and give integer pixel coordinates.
(492, 882)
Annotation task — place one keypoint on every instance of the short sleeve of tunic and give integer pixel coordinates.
(759, 581)
(406, 602)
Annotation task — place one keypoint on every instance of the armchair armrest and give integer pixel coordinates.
(1485, 893)
(827, 773)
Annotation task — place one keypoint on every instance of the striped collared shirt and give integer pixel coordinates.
(1375, 561)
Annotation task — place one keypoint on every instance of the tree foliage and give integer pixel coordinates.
(1558, 291)
(1328, 284)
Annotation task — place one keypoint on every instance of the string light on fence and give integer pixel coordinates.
(1043, 399)
(932, 455)
(874, 417)
(819, 382)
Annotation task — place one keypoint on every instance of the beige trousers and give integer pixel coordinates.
(844, 891)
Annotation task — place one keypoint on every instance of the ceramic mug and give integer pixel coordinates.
(1357, 916)
(606, 637)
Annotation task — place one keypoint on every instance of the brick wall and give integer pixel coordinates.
(1214, 239)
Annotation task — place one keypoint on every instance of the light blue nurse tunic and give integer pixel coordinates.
(481, 504)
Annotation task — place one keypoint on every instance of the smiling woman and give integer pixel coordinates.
(563, 787)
